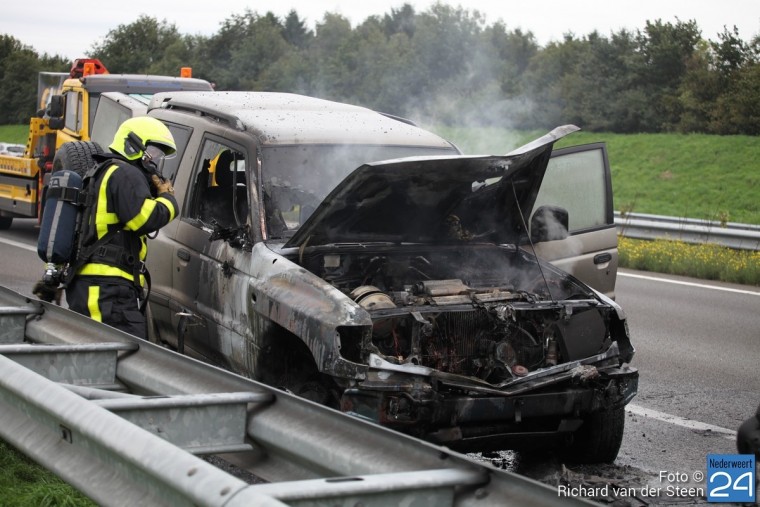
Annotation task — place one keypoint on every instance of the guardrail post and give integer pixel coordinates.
(13, 322)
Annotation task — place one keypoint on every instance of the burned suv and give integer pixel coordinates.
(365, 263)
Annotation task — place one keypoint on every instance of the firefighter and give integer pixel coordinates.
(131, 201)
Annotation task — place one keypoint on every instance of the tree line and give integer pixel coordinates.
(444, 65)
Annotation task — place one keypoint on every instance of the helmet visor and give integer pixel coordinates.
(153, 159)
(157, 151)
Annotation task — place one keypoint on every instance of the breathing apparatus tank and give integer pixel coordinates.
(60, 221)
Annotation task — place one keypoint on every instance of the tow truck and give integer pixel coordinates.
(87, 104)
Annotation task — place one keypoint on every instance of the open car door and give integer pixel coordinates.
(578, 182)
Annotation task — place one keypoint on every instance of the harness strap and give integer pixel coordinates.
(69, 194)
(115, 255)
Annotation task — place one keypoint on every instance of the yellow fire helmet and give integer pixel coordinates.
(135, 134)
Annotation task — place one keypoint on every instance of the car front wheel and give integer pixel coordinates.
(598, 439)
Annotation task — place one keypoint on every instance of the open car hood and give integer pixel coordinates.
(434, 199)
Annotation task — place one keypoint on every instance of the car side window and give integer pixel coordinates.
(577, 179)
(219, 195)
(73, 117)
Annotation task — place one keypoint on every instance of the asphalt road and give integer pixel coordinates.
(697, 351)
(698, 345)
(698, 354)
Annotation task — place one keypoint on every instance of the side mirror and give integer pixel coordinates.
(549, 223)
(56, 106)
(55, 123)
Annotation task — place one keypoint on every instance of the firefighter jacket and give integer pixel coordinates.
(125, 208)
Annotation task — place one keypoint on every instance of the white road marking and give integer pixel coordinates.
(689, 284)
(19, 245)
(680, 421)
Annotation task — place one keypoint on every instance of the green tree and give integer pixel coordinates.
(731, 53)
(601, 91)
(402, 20)
(19, 67)
(445, 39)
(446, 65)
(18, 86)
(334, 54)
(739, 106)
(294, 31)
(667, 49)
(699, 91)
(138, 46)
(544, 83)
(382, 66)
(513, 53)
(719, 91)
(257, 52)
(239, 54)
(294, 72)
(448, 60)
(736, 110)
(183, 52)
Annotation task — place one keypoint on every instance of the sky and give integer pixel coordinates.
(70, 29)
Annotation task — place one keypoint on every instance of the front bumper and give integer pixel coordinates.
(469, 421)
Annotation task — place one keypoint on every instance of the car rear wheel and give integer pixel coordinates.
(598, 439)
(320, 389)
(5, 223)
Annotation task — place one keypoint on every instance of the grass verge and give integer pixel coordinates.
(25, 483)
(703, 261)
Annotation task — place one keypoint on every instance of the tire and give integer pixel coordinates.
(5, 223)
(748, 436)
(598, 439)
(319, 388)
(76, 156)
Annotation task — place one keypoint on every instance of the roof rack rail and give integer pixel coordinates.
(231, 119)
(398, 118)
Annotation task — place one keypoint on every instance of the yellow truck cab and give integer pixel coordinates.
(69, 111)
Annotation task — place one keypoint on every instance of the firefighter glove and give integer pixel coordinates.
(162, 186)
(47, 292)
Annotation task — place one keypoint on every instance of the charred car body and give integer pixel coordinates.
(367, 264)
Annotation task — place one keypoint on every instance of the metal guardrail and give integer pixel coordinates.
(689, 230)
(176, 406)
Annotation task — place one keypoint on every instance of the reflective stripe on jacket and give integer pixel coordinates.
(124, 202)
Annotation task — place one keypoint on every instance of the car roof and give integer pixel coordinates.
(286, 119)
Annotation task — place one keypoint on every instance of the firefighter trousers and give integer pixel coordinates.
(111, 300)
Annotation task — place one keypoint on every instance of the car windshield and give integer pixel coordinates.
(295, 179)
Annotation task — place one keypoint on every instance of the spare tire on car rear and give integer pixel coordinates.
(76, 156)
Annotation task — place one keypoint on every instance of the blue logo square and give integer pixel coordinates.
(731, 478)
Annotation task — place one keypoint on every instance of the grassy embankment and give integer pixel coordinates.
(24, 483)
(14, 133)
(695, 176)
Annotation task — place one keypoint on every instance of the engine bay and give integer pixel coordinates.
(489, 312)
